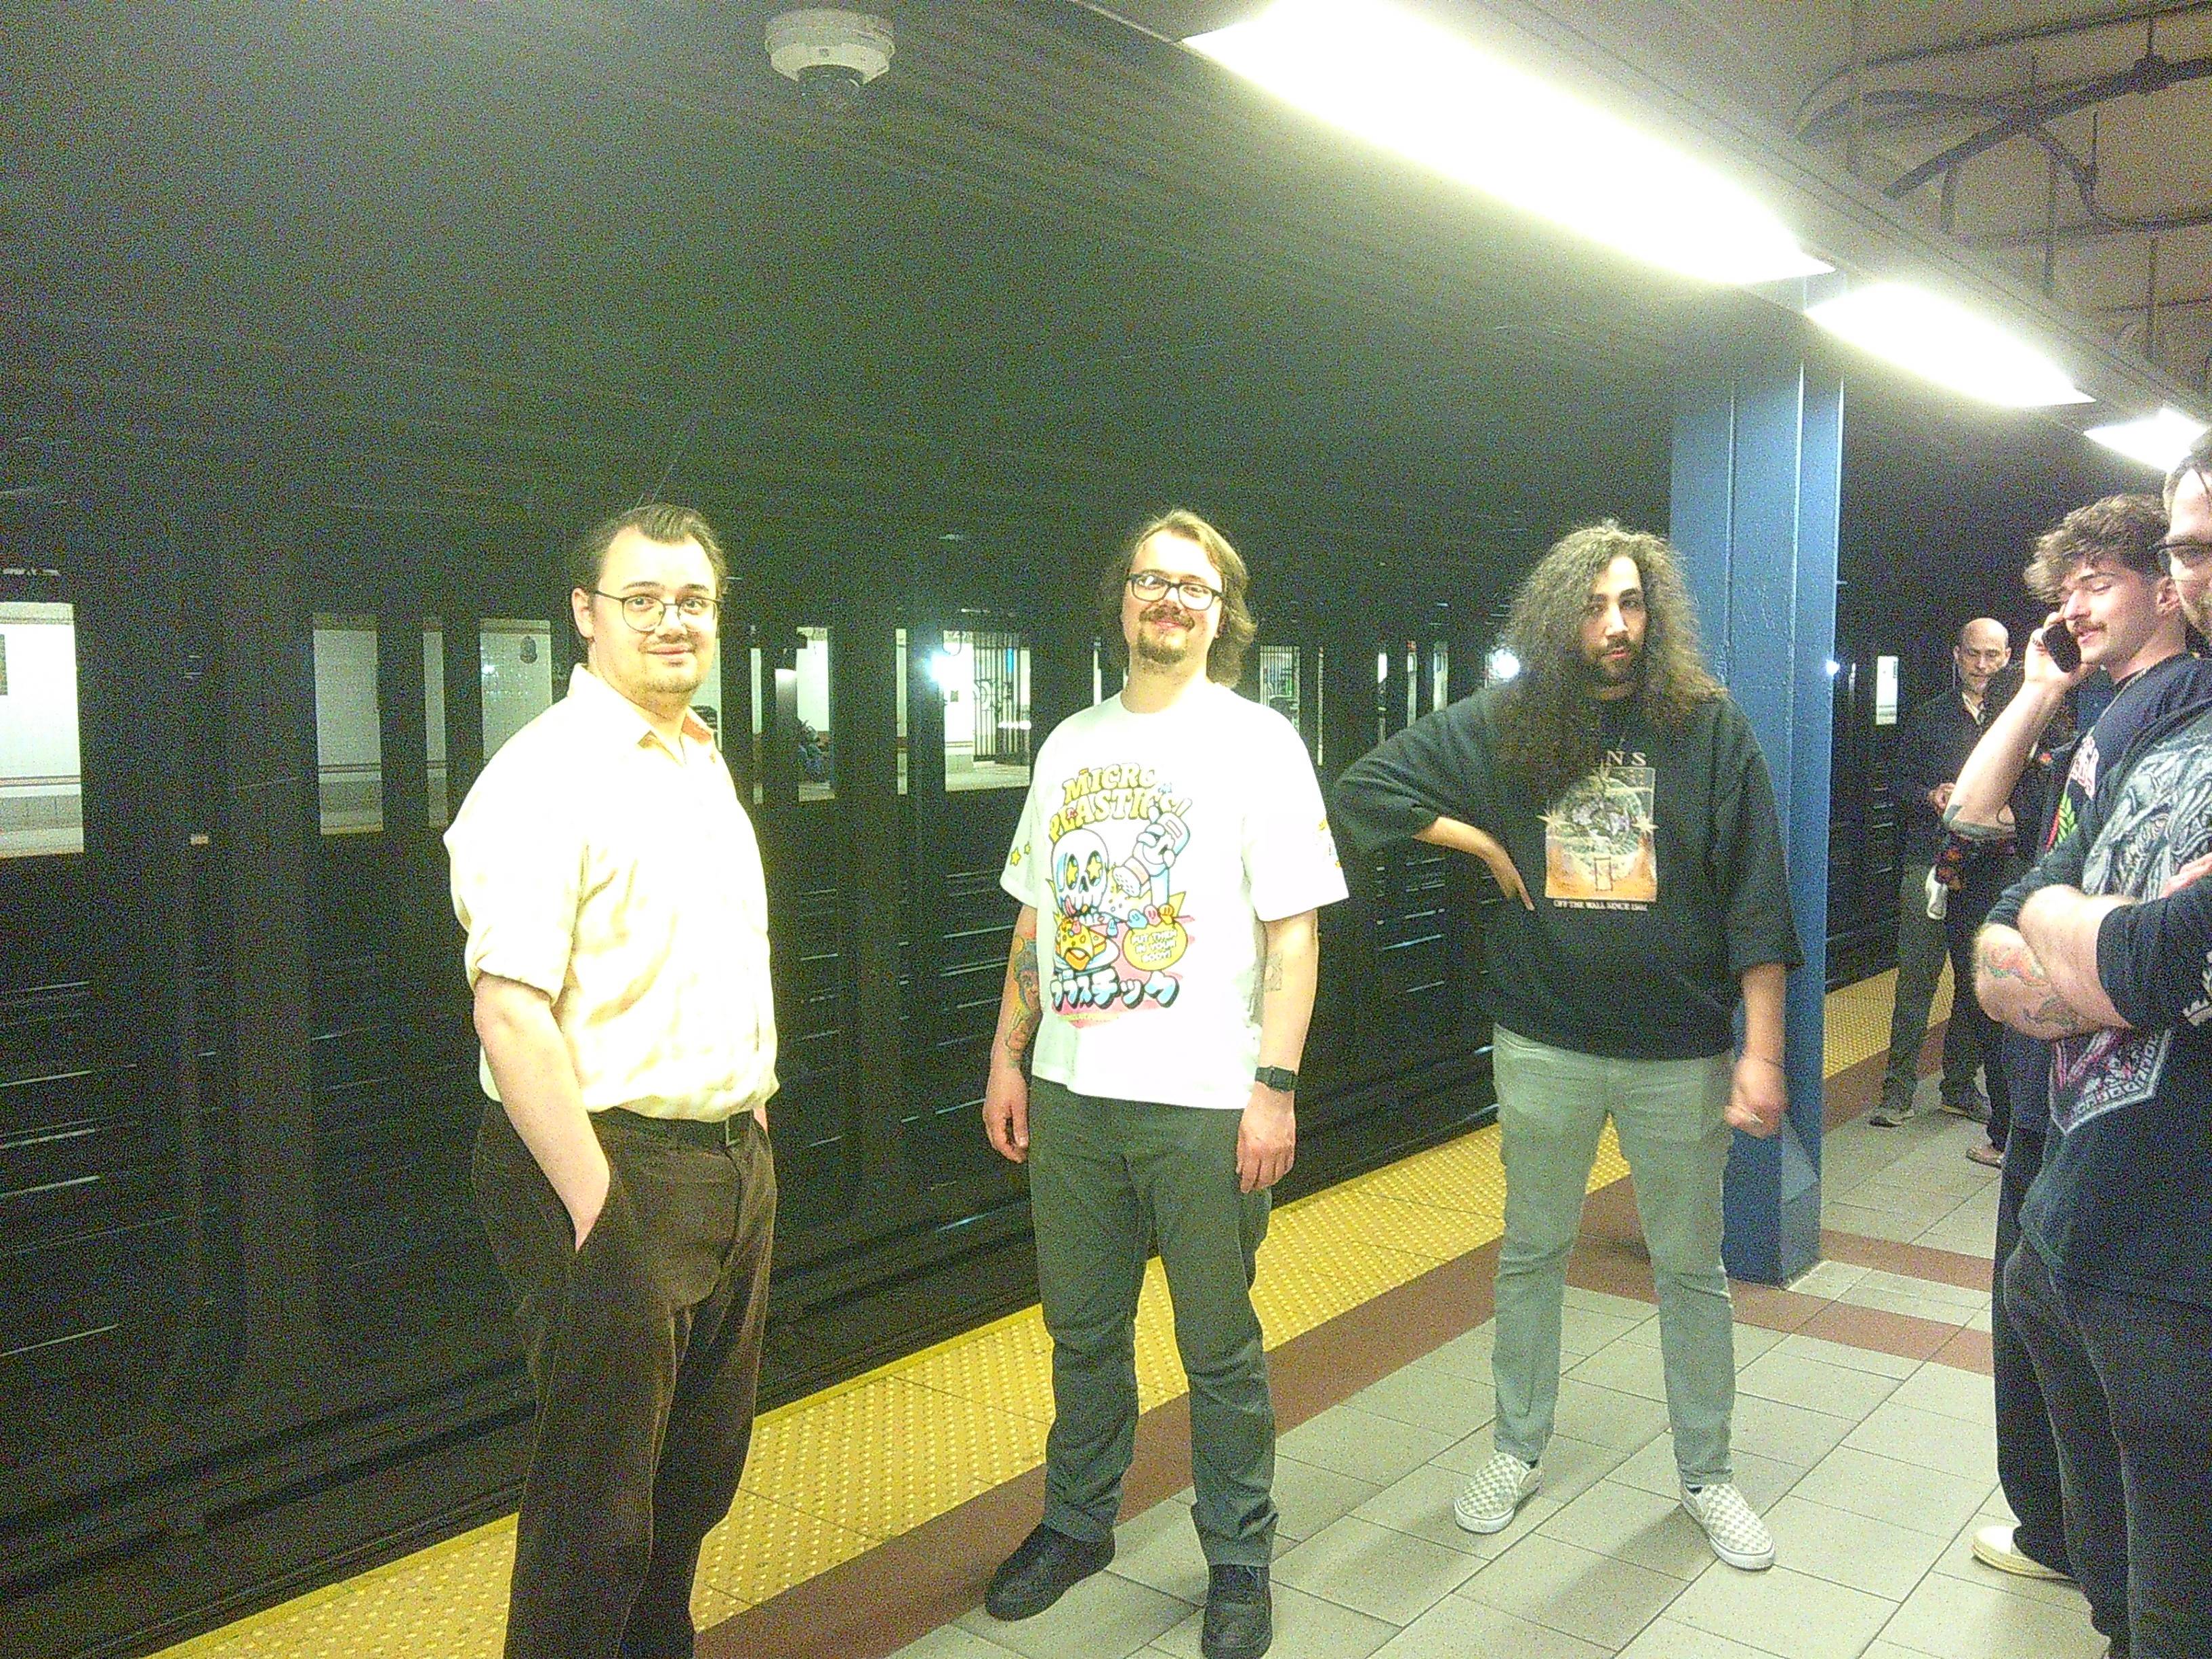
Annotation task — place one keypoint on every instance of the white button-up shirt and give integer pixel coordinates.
(619, 875)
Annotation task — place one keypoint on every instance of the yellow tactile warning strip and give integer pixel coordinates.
(834, 1474)
(1857, 1023)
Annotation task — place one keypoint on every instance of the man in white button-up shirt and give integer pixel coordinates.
(617, 950)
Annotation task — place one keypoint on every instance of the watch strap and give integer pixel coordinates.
(1277, 1077)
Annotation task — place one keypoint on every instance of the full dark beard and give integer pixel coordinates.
(1603, 676)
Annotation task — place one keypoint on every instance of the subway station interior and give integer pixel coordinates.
(327, 324)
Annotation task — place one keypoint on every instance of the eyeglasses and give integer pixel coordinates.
(2190, 553)
(646, 612)
(1195, 595)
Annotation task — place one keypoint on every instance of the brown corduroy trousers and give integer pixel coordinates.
(644, 1350)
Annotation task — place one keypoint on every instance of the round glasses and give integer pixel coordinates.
(646, 612)
(1149, 586)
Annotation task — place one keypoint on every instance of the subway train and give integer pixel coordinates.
(331, 325)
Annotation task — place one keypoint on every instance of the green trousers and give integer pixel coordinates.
(1108, 1179)
(1670, 1118)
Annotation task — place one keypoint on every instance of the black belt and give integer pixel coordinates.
(715, 1137)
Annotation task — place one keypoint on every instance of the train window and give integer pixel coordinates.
(802, 692)
(433, 721)
(898, 648)
(1320, 705)
(1106, 679)
(1279, 680)
(515, 656)
(818, 771)
(758, 704)
(1439, 674)
(984, 674)
(1885, 690)
(40, 786)
(349, 733)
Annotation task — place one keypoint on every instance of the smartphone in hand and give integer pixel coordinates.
(2064, 649)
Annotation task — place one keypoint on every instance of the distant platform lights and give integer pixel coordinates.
(1436, 98)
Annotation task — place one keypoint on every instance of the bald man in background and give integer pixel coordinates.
(1936, 738)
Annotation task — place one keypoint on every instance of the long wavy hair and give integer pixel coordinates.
(1547, 724)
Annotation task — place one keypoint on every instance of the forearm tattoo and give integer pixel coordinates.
(1028, 1010)
(2025, 991)
(1272, 980)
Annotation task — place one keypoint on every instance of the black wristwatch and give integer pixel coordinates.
(1277, 1077)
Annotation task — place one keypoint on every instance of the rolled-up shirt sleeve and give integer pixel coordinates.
(1410, 780)
(2154, 959)
(517, 879)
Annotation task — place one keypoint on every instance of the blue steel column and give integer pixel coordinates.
(1757, 462)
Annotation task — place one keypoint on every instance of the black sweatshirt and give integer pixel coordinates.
(1658, 880)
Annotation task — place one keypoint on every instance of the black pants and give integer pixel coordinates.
(2028, 1461)
(644, 1349)
(1986, 879)
(2126, 1379)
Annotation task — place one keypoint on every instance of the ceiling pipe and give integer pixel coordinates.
(2069, 30)
(2149, 74)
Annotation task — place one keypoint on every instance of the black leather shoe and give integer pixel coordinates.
(1240, 1614)
(1047, 1566)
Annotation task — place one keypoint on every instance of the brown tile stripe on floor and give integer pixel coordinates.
(876, 1603)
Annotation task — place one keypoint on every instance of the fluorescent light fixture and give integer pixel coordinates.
(1437, 98)
(2158, 440)
(1942, 341)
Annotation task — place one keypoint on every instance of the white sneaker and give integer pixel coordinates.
(1487, 1502)
(1993, 1545)
(1732, 1527)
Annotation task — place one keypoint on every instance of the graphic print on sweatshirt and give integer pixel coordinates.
(1118, 923)
(2161, 821)
(1598, 846)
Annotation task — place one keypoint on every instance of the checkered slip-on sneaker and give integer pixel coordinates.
(1732, 1527)
(1487, 1502)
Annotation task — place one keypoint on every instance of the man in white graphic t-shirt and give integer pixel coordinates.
(1175, 847)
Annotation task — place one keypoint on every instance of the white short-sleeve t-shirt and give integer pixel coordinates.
(1153, 847)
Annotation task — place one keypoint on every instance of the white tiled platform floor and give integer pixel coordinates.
(1873, 1471)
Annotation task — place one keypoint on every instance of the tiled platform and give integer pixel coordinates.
(1869, 1448)
(873, 1513)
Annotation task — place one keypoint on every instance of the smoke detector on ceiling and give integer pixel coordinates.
(832, 54)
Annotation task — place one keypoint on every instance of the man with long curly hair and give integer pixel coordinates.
(1617, 796)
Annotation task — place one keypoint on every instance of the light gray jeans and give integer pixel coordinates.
(1670, 1118)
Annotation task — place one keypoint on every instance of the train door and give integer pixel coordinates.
(425, 658)
(119, 1266)
(1419, 949)
(1862, 822)
(981, 688)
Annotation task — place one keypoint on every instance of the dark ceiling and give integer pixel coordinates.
(510, 259)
